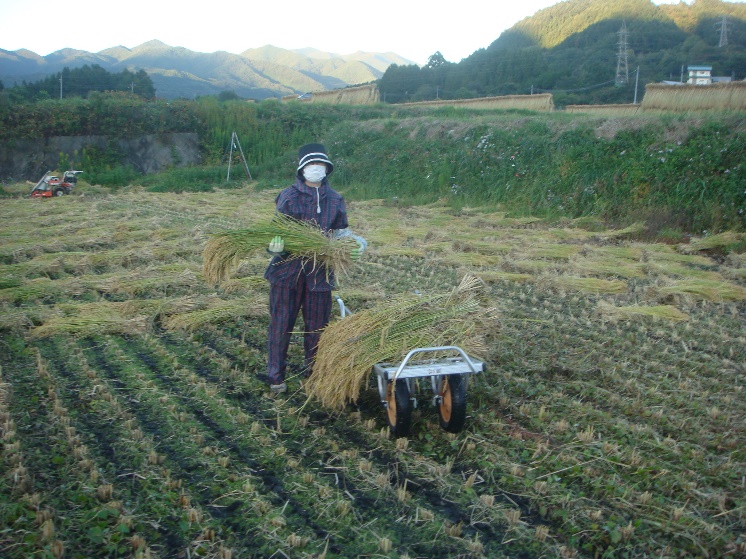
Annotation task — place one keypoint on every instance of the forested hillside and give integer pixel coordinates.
(80, 82)
(573, 50)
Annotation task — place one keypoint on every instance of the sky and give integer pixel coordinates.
(413, 29)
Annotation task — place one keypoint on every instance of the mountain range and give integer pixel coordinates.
(571, 46)
(177, 72)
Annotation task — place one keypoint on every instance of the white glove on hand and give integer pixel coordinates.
(276, 245)
(362, 244)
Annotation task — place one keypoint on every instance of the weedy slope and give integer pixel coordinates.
(610, 421)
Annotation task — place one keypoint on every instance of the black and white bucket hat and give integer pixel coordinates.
(313, 153)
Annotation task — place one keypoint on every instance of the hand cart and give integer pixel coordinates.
(398, 383)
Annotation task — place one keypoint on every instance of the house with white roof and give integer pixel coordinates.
(699, 75)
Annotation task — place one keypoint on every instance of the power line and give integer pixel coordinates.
(574, 90)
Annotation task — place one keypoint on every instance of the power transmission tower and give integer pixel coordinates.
(622, 68)
(722, 26)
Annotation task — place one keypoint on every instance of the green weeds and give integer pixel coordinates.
(677, 175)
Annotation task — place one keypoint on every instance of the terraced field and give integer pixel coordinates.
(609, 423)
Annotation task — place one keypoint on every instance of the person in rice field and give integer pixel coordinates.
(296, 283)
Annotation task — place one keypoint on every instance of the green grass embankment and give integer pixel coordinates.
(673, 172)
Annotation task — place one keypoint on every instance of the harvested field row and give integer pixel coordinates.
(609, 421)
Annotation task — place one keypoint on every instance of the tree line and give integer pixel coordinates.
(581, 68)
(80, 82)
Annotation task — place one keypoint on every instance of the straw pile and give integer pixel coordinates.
(717, 96)
(619, 109)
(360, 95)
(543, 102)
(726, 242)
(349, 347)
(709, 290)
(665, 312)
(357, 95)
(217, 311)
(302, 240)
(91, 319)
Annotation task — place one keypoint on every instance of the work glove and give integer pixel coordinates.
(276, 246)
(362, 244)
(356, 253)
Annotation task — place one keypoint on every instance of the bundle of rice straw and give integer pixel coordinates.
(217, 311)
(302, 240)
(349, 347)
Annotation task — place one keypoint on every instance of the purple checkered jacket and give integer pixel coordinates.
(303, 202)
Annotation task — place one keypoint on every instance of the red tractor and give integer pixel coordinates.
(52, 185)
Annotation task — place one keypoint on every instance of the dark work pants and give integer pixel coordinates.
(284, 305)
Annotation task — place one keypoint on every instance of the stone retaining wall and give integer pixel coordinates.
(30, 159)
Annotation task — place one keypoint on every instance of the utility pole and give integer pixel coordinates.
(622, 69)
(723, 28)
(60, 86)
(637, 80)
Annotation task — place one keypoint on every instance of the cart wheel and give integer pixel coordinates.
(399, 409)
(452, 407)
(59, 192)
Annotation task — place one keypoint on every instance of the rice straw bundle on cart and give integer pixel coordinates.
(302, 240)
(349, 347)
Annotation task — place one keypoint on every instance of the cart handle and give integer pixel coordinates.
(343, 310)
(432, 349)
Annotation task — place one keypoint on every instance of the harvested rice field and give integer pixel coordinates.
(609, 421)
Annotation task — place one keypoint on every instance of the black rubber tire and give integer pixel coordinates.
(399, 410)
(59, 192)
(452, 407)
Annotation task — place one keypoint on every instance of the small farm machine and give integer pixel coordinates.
(52, 185)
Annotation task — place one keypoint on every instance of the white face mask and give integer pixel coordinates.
(314, 173)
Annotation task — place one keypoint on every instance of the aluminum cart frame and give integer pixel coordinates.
(397, 384)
